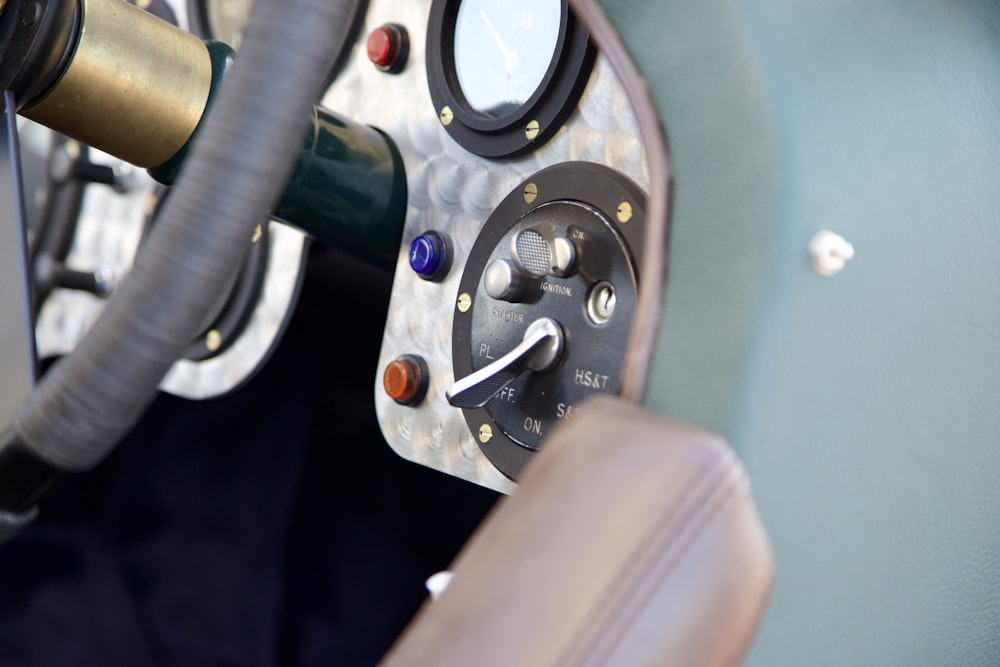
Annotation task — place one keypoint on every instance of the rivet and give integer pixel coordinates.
(73, 150)
(213, 340)
(464, 302)
(485, 433)
(624, 212)
(530, 193)
(531, 132)
(829, 252)
(447, 115)
(257, 233)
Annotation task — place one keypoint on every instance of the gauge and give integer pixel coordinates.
(503, 50)
(504, 75)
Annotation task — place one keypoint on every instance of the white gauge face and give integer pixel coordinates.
(503, 48)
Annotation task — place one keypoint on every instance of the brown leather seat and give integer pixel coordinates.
(632, 540)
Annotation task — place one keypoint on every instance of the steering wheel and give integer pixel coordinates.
(89, 400)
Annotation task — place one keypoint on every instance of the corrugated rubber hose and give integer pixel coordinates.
(235, 172)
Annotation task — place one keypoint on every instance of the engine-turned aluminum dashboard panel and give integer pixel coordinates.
(453, 191)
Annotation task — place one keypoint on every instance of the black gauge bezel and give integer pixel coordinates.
(592, 185)
(551, 103)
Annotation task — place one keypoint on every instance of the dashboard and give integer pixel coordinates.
(523, 207)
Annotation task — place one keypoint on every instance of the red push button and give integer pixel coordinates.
(388, 47)
(405, 379)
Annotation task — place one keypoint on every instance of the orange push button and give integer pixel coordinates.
(405, 379)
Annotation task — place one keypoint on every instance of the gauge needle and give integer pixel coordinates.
(509, 57)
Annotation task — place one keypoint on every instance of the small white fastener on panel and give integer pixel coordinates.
(829, 252)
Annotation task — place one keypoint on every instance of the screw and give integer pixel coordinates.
(213, 340)
(464, 302)
(530, 193)
(485, 433)
(257, 233)
(447, 115)
(531, 132)
(624, 212)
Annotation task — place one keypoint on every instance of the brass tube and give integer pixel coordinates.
(136, 86)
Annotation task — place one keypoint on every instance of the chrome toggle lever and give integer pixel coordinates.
(541, 351)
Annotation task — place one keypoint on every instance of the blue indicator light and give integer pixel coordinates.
(428, 256)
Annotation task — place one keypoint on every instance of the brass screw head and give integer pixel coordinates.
(530, 193)
(464, 302)
(447, 115)
(485, 433)
(213, 340)
(531, 132)
(624, 212)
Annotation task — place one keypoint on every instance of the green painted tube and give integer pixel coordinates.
(347, 187)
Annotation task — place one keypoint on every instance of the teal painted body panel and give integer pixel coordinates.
(865, 405)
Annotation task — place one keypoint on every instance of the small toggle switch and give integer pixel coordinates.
(563, 257)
